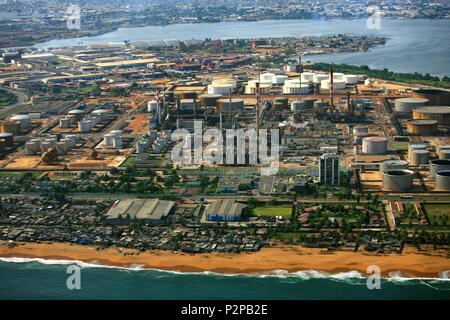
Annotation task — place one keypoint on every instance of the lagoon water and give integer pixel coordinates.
(31, 279)
(413, 46)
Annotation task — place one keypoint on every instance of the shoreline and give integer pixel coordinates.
(267, 261)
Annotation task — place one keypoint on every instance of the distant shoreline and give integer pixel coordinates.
(291, 259)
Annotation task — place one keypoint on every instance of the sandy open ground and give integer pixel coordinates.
(290, 258)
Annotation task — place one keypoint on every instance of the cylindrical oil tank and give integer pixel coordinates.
(237, 105)
(72, 140)
(78, 114)
(267, 77)
(141, 146)
(116, 133)
(152, 105)
(350, 79)
(220, 88)
(338, 76)
(64, 123)
(444, 154)
(438, 165)
(24, 120)
(374, 145)
(392, 164)
(108, 139)
(2, 145)
(298, 105)
(406, 105)
(436, 97)
(279, 79)
(100, 113)
(264, 87)
(295, 86)
(440, 114)
(318, 78)
(415, 146)
(442, 180)
(337, 84)
(72, 119)
(209, 100)
(84, 126)
(398, 180)
(419, 157)
(117, 143)
(307, 77)
(11, 126)
(422, 127)
(8, 137)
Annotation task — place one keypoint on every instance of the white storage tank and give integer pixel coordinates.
(264, 87)
(78, 114)
(406, 105)
(72, 140)
(351, 79)
(24, 120)
(420, 157)
(438, 165)
(318, 78)
(444, 154)
(117, 142)
(307, 77)
(279, 79)
(267, 77)
(338, 76)
(374, 145)
(337, 84)
(108, 139)
(116, 133)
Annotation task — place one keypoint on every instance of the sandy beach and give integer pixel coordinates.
(290, 258)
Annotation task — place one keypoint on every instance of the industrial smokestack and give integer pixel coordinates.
(331, 86)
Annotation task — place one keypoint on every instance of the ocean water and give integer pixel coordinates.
(420, 45)
(46, 279)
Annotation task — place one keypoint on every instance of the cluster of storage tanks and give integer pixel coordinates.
(407, 105)
(71, 118)
(88, 122)
(152, 140)
(222, 86)
(113, 139)
(374, 145)
(41, 145)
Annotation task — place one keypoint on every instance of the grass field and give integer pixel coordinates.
(285, 212)
(128, 163)
(437, 213)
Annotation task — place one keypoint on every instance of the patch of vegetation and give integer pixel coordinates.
(438, 214)
(285, 212)
(7, 98)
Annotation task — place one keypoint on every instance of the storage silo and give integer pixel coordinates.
(338, 76)
(438, 165)
(267, 77)
(264, 87)
(398, 180)
(392, 164)
(442, 180)
(296, 87)
(437, 97)
(422, 127)
(221, 86)
(8, 137)
(419, 157)
(116, 133)
(374, 145)
(24, 120)
(406, 105)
